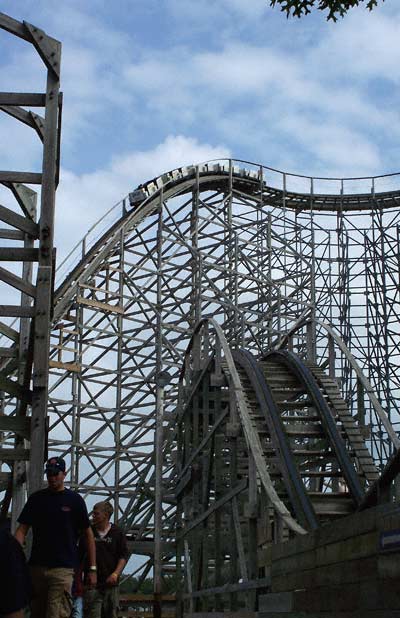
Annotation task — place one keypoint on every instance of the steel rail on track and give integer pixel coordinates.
(295, 487)
(328, 422)
(252, 437)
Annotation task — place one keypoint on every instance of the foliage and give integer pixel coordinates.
(336, 8)
(130, 585)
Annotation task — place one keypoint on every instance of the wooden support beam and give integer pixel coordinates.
(73, 367)
(21, 223)
(29, 178)
(32, 120)
(15, 389)
(95, 304)
(8, 352)
(16, 311)
(18, 424)
(18, 254)
(14, 27)
(17, 282)
(241, 486)
(11, 234)
(9, 332)
(14, 454)
(49, 49)
(26, 198)
(25, 99)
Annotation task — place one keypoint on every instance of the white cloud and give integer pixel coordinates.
(83, 198)
(242, 83)
(336, 148)
(364, 45)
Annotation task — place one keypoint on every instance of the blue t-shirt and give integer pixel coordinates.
(57, 520)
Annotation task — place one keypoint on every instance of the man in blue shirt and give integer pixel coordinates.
(58, 517)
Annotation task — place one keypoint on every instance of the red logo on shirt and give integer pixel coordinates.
(65, 508)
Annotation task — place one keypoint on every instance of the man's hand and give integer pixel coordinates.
(21, 532)
(91, 579)
(112, 579)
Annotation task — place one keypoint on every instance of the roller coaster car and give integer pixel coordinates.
(137, 197)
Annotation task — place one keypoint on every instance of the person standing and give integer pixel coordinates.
(58, 517)
(111, 558)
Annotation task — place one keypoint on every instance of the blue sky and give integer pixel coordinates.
(152, 84)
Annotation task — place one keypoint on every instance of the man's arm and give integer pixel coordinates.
(91, 553)
(21, 532)
(113, 578)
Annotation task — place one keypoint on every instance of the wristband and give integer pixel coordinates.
(93, 568)
(116, 574)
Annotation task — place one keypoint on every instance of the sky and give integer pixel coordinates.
(153, 84)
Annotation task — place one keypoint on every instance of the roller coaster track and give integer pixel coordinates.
(267, 449)
(215, 176)
(220, 239)
(286, 413)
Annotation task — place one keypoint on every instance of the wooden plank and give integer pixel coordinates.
(18, 424)
(49, 49)
(13, 26)
(9, 332)
(74, 367)
(217, 505)
(8, 352)
(21, 223)
(18, 254)
(32, 120)
(11, 234)
(14, 454)
(17, 283)
(16, 311)
(146, 548)
(26, 198)
(99, 305)
(13, 388)
(29, 178)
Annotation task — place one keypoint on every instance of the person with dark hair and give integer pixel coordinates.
(111, 558)
(58, 517)
(14, 576)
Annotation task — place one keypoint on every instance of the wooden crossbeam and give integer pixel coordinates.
(18, 424)
(14, 454)
(17, 282)
(18, 221)
(25, 99)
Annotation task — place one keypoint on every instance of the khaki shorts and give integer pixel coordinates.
(51, 590)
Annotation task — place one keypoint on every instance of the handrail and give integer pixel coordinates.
(357, 369)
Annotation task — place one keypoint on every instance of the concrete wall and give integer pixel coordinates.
(349, 568)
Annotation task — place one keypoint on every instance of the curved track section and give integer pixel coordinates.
(267, 449)
(257, 249)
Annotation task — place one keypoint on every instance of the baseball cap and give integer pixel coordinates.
(55, 465)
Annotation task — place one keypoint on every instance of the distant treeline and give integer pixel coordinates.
(146, 587)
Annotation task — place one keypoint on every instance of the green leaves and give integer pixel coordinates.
(335, 8)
